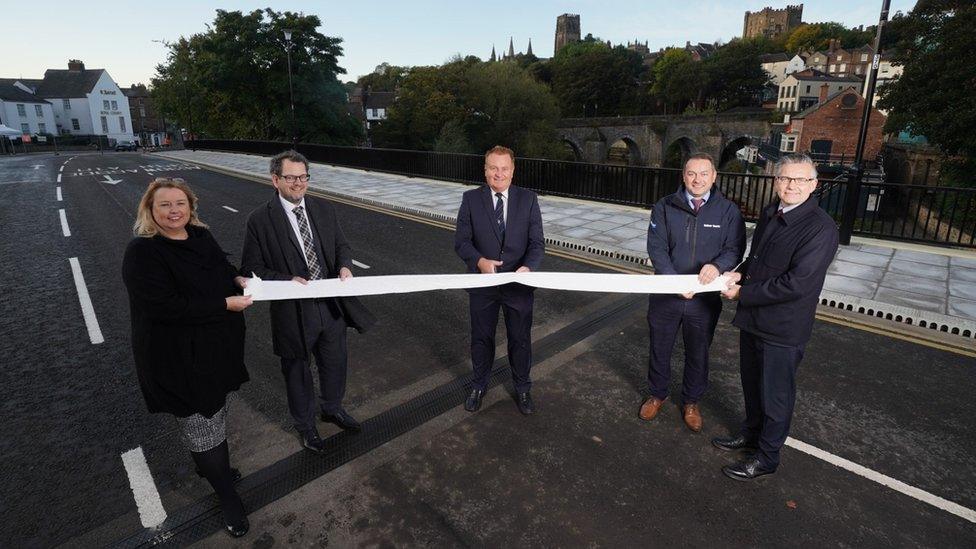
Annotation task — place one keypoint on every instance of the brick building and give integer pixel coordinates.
(829, 129)
(148, 125)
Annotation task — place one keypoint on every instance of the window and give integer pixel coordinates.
(808, 89)
(857, 69)
(115, 105)
(25, 129)
(142, 111)
(38, 110)
(105, 104)
(833, 68)
(75, 125)
(104, 124)
(381, 113)
(838, 57)
(122, 123)
(864, 57)
(21, 110)
(843, 67)
(67, 104)
(42, 128)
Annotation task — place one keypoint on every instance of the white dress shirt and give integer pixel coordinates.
(494, 203)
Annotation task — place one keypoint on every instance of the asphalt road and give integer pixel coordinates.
(582, 471)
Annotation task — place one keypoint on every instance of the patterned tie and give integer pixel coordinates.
(697, 202)
(780, 212)
(500, 213)
(314, 270)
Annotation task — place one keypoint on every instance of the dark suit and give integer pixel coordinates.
(300, 328)
(478, 236)
(780, 290)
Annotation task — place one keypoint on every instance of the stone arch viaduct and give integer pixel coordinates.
(648, 138)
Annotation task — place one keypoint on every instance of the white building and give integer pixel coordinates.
(21, 110)
(887, 72)
(780, 65)
(84, 101)
(803, 89)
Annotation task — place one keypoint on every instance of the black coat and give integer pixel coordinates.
(785, 272)
(188, 348)
(679, 241)
(478, 236)
(272, 251)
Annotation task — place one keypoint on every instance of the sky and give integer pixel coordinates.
(121, 37)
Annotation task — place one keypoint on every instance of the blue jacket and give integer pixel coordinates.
(682, 242)
(785, 272)
(477, 234)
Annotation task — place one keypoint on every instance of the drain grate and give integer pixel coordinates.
(203, 518)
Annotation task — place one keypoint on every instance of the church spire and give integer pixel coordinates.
(493, 57)
(511, 48)
(529, 51)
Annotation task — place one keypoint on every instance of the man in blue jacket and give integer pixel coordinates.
(499, 229)
(693, 231)
(793, 245)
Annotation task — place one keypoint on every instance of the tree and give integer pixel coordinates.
(385, 77)
(591, 79)
(934, 95)
(735, 75)
(232, 80)
(679, 80)
(817, 36)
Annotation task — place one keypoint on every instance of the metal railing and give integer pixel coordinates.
(936, 215)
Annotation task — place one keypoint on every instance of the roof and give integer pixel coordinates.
(774, 57)
(813, 75)
(380, 100)
(815, 107)
(67, 83)
(135, 91)
(9, 92)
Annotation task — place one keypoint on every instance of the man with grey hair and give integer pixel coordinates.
(778, 288)
(299, 239)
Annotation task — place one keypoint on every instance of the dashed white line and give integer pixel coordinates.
(91, 322)
(61, 169)
(885, 480)
(59, 194)
(150, 506)
(229, 209)
(59, 178)
(360, 265)
(64, 223)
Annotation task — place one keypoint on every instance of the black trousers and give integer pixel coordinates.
(325, 332)
(697, 318)
(769, 387)
(516, 301)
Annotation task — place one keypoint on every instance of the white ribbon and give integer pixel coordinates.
(271, 290)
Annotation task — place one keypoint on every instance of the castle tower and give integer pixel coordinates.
(567, 31)
(772, 22)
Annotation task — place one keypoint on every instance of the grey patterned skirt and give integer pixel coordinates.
(200, 433)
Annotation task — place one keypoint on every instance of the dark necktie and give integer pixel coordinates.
(697, 202)
(500, 213)
(779, 213)
(311, 256)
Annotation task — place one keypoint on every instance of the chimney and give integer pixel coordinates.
(823, 93)
(75, 65)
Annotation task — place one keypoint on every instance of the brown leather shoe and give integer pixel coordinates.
(693, 417)
(650, 408)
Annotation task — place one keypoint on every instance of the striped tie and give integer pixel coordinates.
(500, 213)
(311, 256)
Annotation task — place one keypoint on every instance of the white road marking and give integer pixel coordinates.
(61, 169)
(111, 181)
(884, 480)
(38, 166)
(360, 265)
(151, 511)
(59, 178)
(64, 223)
(229, 209)
(94, 332)
(59, 194)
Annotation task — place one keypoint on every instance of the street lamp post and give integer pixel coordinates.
(291, 92)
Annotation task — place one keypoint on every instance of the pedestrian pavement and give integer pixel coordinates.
(927, 286)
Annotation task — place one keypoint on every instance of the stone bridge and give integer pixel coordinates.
(663, 140)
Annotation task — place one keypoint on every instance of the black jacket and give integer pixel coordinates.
(188, 348)
(785, 272)
(272, 251)
(682, 242)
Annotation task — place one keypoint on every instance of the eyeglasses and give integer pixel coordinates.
(293, 178)
(783, 180)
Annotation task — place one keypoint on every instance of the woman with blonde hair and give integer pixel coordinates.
(187, 330)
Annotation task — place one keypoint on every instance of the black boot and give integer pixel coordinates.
(215, 466)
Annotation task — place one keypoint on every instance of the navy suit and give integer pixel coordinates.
(522, 243)
(778, 299)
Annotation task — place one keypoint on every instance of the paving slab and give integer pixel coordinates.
(862, 257)
(850, 286)
(856, 270)
(965, 290)
(922, 257)
(962, 307)
(962, 273)
(877, 250)
(923, 270)
(909, 299)
(964, 262)
(907, 283)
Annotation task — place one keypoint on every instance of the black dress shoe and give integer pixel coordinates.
(525, 405)
(238, 530)
(312, 441)
(731, 444)
(473, 402)
(746, 470)
(234, 473)
(343, 420)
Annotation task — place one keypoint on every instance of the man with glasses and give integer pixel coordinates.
(696, 231)
(291, 238)
(793, 245)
